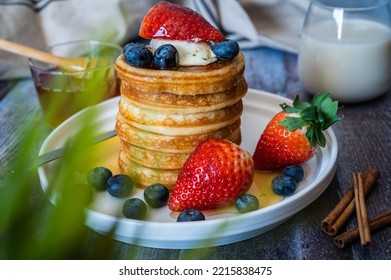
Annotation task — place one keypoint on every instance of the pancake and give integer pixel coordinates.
(216, 77)
(145, 176)
(179, 124)
(164, 114)
(154, 158)
(162, 159)
(169, 143)
(170, 103)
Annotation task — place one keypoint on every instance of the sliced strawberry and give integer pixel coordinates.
(215, 174)
(169, 21)
(292, 136)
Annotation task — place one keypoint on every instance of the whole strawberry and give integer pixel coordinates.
(174, 22)
(292, 135)
(215, 174)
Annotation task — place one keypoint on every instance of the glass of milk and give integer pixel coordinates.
(345, 48)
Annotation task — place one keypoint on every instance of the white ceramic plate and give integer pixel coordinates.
(160, 229)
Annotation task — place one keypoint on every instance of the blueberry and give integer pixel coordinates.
(156, 195)
(98, 177)
(247, 203)
(190, 215)
(166, 57)
(138, 55)
(294, 171)
(284, 185)
(134, 208)
(119, 185)
(129, 46)
(227, 49)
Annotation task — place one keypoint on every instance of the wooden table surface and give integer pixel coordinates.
(363, 142)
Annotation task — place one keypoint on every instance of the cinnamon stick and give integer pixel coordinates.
(361, 210)
(336, 219)
(375, 224)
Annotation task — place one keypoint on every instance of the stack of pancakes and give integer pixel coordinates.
(164, 114)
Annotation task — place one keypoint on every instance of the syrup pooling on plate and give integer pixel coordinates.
(105, 155)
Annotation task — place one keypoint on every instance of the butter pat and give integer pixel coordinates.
(190, 53)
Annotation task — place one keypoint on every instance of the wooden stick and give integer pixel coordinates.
(68, 63)
(361, 211)
(377, 223)
(336, 219)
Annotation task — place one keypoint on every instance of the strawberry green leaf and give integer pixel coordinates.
(310, 134)
(315, 137)
(320, 139)
(327, 109)
(289, 109)
(309, 114)
(300, 105)
(331, 122)
(320, 98)
(297, 107)
(318, 115)
(292, 123)
(321, 119)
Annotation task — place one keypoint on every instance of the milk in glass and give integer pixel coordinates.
(352, 60)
